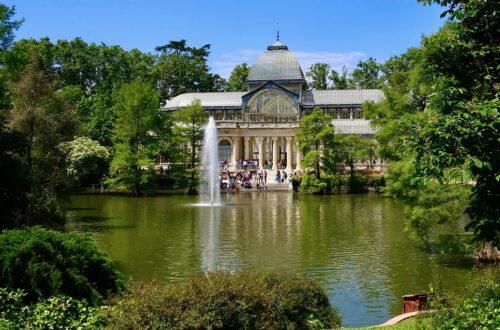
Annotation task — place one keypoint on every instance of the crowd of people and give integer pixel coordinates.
(250, 164)
(249, 179)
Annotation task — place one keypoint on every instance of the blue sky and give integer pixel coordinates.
(335, 32)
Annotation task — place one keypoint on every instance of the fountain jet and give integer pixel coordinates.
(209, 181)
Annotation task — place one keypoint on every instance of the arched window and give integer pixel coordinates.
(219, 115)
(224, 150)
(208, 113)
(230, 115)
(306, 113)
(358, 113)
(271, 105)
(345, 113)
(332, 113)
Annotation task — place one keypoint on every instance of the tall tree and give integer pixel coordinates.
(353, 148)
(237, 79)
(189, 130)
(182, 69)
(8, 26)
(461, 126)
(315, 138)
(340, 81)
(45, 119)
(366, 74)
(318, 73)
(136, 110)
(15, 182)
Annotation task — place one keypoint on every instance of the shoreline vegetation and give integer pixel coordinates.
(73, 114)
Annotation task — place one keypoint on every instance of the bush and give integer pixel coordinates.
(239, 301)
(336, 183)
(478, 309)
(51, 313)
(48, 263)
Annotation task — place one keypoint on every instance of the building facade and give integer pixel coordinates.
(261, 123)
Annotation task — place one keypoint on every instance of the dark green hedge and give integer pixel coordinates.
(224, 301)
(47, 263)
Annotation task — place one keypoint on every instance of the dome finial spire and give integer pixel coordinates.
(278, 32)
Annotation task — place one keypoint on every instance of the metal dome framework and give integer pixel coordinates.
(277, 63)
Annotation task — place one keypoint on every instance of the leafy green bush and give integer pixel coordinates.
(239, 301)
(478, 309)
(51, 313)
(48, 263)
(311, 184)
(336, 183)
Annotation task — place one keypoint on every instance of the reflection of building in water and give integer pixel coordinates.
(262, 122)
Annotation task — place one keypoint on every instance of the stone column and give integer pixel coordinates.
(289, 151)
(299, 156)
(247, 147)
(237, 144)
(236, 154)
(233, 152)
(276, 145)
(261, 143)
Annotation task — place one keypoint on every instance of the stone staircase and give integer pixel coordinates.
(271, 181)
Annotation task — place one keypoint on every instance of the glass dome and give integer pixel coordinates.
(276, 63)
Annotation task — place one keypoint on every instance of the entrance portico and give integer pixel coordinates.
(253, 145)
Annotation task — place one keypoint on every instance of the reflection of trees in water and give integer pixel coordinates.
(353, 244)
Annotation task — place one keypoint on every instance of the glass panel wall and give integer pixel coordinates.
(271, 105)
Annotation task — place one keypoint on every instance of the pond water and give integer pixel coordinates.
(354, 245)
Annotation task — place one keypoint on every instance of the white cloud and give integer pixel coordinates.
(225, 64)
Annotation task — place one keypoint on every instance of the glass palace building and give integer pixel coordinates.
(262, 122)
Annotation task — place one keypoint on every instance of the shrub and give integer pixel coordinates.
(478, 309)
(51, 313)
(311, 184)
(48, 263)
(336, 183)
(239, 301)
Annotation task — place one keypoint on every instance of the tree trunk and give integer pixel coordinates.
(318, 174)
(351, 177)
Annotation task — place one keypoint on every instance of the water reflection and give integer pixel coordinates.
(354, 245)
(209, 229)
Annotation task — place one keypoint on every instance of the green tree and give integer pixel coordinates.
(315, 138)
(353, 148)
(340, 81)
(461, 126)
(182, 69)
(189, 130)
(318, 73)
(366, 74)
(237, 79)
(136, 110)
(406, 94)
(46, 120)
(87, 161)
(8, 26)
(14, 176)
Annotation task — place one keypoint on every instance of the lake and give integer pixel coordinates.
(355, 246)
